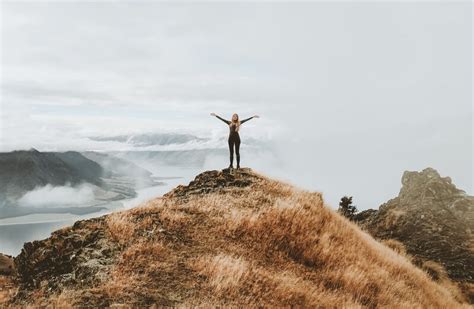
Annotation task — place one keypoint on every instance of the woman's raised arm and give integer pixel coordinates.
(226, 121)
(245, 120)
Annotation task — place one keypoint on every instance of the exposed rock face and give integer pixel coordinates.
(212, 181)
(432, 218)
(71, 256)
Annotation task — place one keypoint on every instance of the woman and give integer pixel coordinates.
(234, 138)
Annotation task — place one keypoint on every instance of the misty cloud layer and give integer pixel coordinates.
(350, 94)
(58, 196)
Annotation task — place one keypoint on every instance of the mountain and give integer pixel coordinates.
(228, 239)
(118, 167)
(434, 221)
(22, 171)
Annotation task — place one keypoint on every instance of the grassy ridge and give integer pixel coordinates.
(239, 240)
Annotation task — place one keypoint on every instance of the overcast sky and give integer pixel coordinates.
(352, 94)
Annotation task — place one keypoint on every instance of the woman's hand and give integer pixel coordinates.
(213, 114)
(256, 116)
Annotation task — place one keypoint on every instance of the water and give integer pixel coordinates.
(13, 236)
(14, 232)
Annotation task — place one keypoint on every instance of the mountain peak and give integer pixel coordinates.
(413, 176)
(230, 238)
(427, 184)
(216, 181)
(33, 150)
(433, 219)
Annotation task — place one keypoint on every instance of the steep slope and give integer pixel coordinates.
(434, 220)
(21, 171)
(227, 239)
(88, 170)
(116, 165)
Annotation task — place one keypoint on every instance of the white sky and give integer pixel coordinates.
(352, 94)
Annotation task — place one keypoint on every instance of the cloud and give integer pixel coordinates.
(58, 196)
(392, 80)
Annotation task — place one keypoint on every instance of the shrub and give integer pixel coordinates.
(346, 208)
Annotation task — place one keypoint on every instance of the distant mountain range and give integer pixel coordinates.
(116, 166)
(110, 179)
(22, 171)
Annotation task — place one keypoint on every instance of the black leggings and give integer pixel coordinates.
(234, 140)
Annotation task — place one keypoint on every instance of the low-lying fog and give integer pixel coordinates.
(50, 196)
(49, 208)
(45, 209)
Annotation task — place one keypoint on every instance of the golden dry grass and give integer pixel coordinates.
(7, 289)
(438, 272)
(396, 246)
(268, 244)
(120, 229)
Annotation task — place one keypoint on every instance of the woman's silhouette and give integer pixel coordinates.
(234, 138)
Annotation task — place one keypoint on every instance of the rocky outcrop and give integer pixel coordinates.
(432, 218)
(213, 181)
(80, 254)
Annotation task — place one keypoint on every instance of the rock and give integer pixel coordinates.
(432, 218)
(80, 252)
(215, 181)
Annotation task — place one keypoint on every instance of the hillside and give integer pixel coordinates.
(227, 239)
(434, 220)
(22, 171)
(34, 172)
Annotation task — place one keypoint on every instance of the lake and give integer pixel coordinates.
(15, 231)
